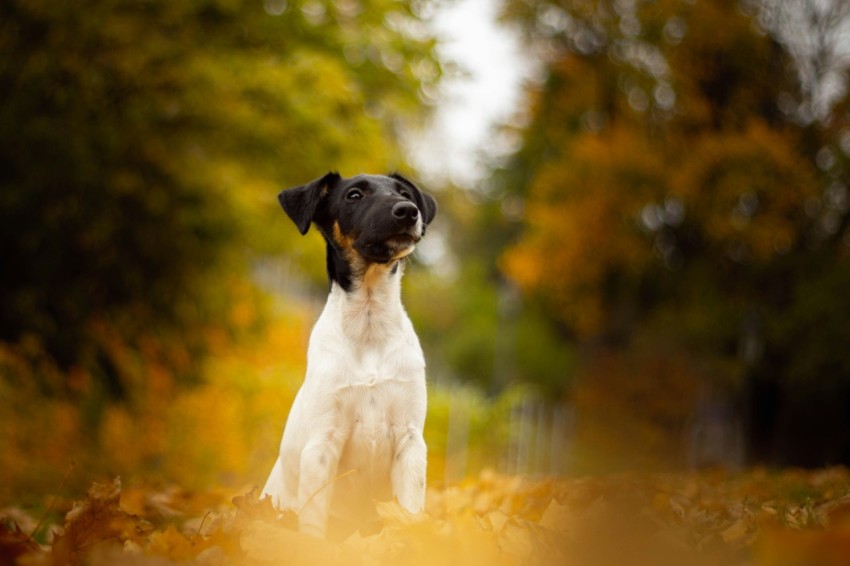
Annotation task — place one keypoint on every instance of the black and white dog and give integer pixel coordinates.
(354, 434)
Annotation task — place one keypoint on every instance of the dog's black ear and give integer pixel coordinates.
(429, 206)
(424, 202)
(300, 203)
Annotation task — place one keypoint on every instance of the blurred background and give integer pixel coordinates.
(641, 259)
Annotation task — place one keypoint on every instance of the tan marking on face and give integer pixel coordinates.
(404, 251)
(343, 241)
(351, 255)
(401, 246)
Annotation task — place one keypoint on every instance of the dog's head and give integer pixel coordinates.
(379, 218)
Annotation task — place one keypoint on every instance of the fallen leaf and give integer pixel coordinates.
(557, 517)
(736, 532)
(97, 519)
(254, 507)
(495, 521)
(173, 545)
(392, 512)
(268, 543)
(14, 543)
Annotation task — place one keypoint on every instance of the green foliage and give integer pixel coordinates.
(544, 355)
(142, 145)
(461, 333)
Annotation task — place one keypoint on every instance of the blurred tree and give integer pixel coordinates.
(483, 333)
(142, 144)
(684, 178)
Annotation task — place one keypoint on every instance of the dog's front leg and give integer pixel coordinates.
(319, 462)
(408, 471)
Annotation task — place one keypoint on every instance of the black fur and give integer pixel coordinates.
(339, 269)
(300, 203)
(424, 202)
(364, 219)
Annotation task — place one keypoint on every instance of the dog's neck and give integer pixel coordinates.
(370, 307)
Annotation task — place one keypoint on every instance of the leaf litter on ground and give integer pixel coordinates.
(758, 517)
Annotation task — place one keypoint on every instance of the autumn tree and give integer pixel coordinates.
(686, 210)
(483, 333)
(141, 148)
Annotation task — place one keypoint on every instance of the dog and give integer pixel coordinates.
(355, 431)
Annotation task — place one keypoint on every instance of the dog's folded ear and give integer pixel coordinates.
(300, 203)
(428, 206)
(424, 202)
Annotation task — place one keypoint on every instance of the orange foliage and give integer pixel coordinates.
(642, 425)
(224, 429)
(581, 223)
(747, 187)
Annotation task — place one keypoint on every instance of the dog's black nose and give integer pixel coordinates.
(405, 211)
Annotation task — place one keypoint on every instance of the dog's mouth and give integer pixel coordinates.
(388, 248)
(401, 245)
(402, 240)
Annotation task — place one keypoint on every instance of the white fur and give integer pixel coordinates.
(361, 407)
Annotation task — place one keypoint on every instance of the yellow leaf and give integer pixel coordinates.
(495, 521)
(268, 543)
(557, 517)
(392, 512)
(173, 545)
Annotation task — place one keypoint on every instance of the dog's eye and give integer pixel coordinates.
(406, 195)
(354, 194)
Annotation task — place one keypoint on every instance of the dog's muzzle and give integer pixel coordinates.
(406, 216)
(395, 235)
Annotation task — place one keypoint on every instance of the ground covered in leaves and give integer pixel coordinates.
(762, 518)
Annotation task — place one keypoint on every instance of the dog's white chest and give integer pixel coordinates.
(375, 401)
(370, 416)
(370, 368)
(354, 434)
